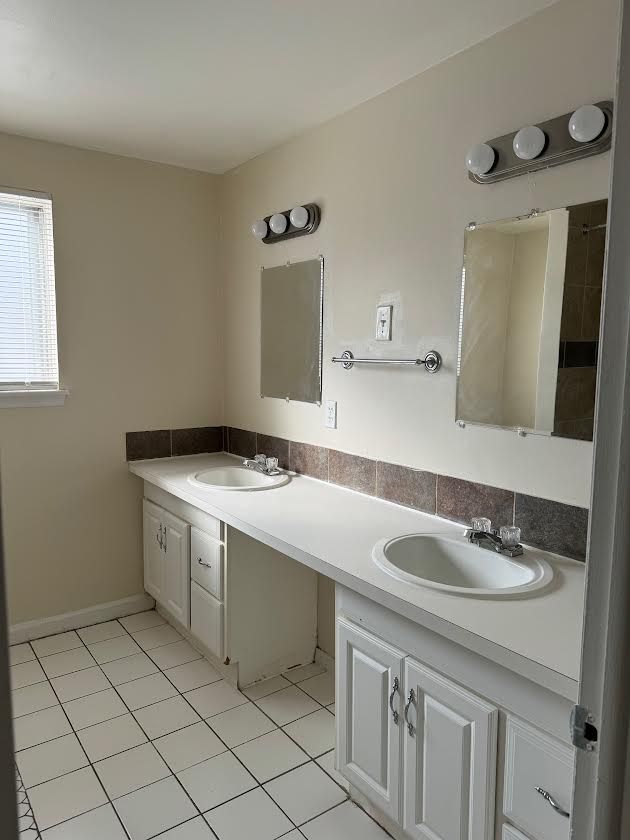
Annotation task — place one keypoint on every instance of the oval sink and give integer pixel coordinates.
(236, 477)
(454, 565)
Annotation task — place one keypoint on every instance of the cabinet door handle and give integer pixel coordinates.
(410, 699)
(391, 700)
(552, 802)
(164, 537)
(158, 537)
(203, 563)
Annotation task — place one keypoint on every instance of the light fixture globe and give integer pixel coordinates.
(259, 229)
(529, 142)
(278, 223)
(299, 217)
(587, 123)
(480, 158)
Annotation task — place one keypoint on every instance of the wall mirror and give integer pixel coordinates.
(529, 321)
(291, 331)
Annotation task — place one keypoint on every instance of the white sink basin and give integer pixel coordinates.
(236, 477)
(454, 565)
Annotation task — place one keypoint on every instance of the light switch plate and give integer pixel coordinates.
(384, 323)
(330, 420)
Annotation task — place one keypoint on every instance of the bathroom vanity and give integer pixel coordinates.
(451, 710)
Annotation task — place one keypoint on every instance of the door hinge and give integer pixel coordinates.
(583, 729)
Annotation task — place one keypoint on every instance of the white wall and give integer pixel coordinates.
(390, 178)
(136, 284)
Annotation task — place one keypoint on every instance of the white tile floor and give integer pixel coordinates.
(124, 732)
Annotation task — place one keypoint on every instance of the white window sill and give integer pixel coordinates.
(32, 399)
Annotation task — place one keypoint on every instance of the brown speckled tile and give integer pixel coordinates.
(309, 460)
(152, 444)
(241, 442)
(197, 440)
(352, 471)
(406, 486)
(274, 447)
(462, 500)
(552, 526)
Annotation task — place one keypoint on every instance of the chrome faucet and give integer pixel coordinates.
(262, 464)
(503, 540)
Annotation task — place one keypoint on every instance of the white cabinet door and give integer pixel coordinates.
(152, 536)
(450, 748)
(206, 619)
(369, 715)
(176, 590)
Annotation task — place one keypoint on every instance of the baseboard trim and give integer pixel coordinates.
(325, 659)
(37, 629)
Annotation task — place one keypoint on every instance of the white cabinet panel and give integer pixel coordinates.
(206, 619)
(152, 549)
(449, 759)
(206, 562)
(368, 710)
(176, 593)
(533, 759)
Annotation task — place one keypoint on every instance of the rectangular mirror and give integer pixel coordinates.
(529, 321)
(291, 331)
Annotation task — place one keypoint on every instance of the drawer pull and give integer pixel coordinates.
(552, 802)
(391, 700)
(410, 699)
(203, 563)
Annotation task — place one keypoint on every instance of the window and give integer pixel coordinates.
(28, 325)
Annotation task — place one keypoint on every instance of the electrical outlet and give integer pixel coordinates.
(330, 420)
(384, 323)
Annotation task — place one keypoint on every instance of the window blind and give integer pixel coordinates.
(28, 323)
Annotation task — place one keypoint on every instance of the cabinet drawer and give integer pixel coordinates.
(533, 759)
(206, 619)
(206, 562)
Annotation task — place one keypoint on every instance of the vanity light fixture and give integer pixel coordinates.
(260, 229)
(579, 134)
(299, 221)
(587, 123)
(529, 142)
(278, 223)
(480, 158)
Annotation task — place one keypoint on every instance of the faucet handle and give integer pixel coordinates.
(272, 464)
(261, 459)
(510, 535)
(481, 523)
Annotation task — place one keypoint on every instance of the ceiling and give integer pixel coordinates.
(209, 84)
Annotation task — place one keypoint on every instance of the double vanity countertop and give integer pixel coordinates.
(333, 530)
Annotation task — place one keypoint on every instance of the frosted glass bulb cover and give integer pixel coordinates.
(259, 229)
(480, 158)
(299, 217)
(587, 123)
(529, 142)
(278, 223)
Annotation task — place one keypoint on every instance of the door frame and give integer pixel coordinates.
(604, 690)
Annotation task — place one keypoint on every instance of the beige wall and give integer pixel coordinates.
(390, 178)
(136, 289)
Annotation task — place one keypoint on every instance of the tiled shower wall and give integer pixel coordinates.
(549, 525)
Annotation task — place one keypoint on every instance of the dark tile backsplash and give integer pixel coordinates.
(155, 444)
(194, 441)
(552, 526)
(241, 442)
(462, 500)
(167, 442)
(273, 447)
(352, 471)
(548, 525)
(306, 459)
(406, 486)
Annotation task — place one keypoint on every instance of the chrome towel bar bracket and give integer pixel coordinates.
(432, 361)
